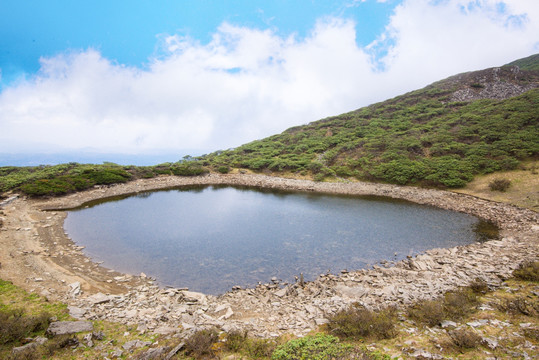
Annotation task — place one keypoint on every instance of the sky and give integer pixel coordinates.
(140, 78)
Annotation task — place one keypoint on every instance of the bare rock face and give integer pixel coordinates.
(496, 83)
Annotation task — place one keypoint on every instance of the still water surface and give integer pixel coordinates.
(212, 238)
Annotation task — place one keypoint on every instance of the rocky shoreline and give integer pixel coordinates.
(37, 255)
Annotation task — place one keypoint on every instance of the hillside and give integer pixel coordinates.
(442, 135)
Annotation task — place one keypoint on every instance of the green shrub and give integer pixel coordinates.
(528, 271)
(477, 86)
(187, 169)
(499, 185)
(359, 322)
(46, 187)
(223, 169)
(106, 176)
(317, 347)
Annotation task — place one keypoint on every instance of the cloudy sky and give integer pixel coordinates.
(192, 76)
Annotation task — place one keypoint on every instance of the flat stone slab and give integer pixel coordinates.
(69, 327)
(99, 298)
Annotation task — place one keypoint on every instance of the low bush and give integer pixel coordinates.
(106, 176)
(531, 333)
(427, 312)
(479, 286)
(499, 185)
(519, 306)
(465, 339)
(453, 306)
(15, 325)
(459, 303)
(528, 271)
(188, 169)
(359, 322)
(317, 347)
(223, 169)
(236, 340)
(201, 343)
(260, 348)
(477, 86)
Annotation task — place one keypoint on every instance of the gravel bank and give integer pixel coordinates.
(37, 255)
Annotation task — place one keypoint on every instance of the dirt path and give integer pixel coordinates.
(36, 254)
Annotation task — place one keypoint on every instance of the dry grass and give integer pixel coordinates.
(524, 189)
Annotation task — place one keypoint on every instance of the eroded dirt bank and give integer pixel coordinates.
(36, 254)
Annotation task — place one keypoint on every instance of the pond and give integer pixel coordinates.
(214, 237)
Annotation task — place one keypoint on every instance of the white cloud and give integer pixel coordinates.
(246, 84)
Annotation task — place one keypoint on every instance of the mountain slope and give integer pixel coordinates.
(442, 135)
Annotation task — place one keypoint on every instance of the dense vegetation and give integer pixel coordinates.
(422, 137)
(67, 178)
(530, 63)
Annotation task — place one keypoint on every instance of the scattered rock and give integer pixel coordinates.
(69, 327)
(76, 312)
(74, 289)
(135, 344)
(174, 351)
(477, 323)
(447, 323)
(99, 298)
(155, 353)
(490, 342)
(25, 348)
(116, 354)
